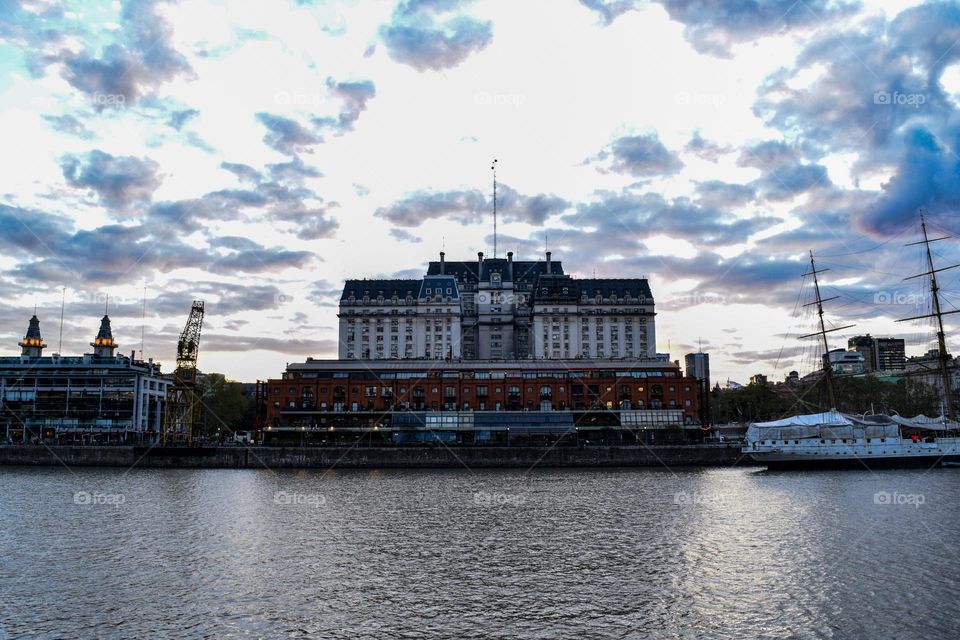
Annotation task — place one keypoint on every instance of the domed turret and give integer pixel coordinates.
(104, 345)
(32, 343)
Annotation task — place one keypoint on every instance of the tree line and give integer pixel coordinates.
(858, 395)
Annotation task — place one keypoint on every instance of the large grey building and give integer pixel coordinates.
(497, 309)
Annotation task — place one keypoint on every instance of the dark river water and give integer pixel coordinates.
(711, 553)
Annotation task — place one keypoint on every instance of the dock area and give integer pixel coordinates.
(440, 457)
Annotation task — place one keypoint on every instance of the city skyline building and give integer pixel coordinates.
(879, 354)
(497, 309)
(697, 366)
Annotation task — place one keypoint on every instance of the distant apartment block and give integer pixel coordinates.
(879, 354)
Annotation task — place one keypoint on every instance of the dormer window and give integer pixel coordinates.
(495, 279)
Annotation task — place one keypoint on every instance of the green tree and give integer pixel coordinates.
(224, 406)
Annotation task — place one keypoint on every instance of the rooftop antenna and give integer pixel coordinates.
(63, 302)
(493, 167)
(143, 321)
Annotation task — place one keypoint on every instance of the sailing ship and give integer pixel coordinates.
(832, 439)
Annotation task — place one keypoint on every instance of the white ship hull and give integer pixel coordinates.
(870, 453)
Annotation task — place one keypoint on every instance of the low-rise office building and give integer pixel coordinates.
(99, 397)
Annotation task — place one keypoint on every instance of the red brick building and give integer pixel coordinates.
(323, 396)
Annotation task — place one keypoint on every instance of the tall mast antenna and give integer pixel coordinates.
(938, 313)
(493, 167)
(63, 302)
(827, 368)
(143, 321)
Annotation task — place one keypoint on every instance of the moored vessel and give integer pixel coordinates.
(837, 440)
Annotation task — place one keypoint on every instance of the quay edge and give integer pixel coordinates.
(710, 455)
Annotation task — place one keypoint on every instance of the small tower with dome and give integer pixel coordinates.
(104, 345)
(32, 344)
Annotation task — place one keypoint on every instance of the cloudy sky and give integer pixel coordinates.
(255, 154)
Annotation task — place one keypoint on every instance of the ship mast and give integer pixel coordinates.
(827, 368)
(938, 313)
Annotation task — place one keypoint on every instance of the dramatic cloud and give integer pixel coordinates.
(705, 149)
(287, 135)
(244, 172)
(641, 156)
(784, 173)
(628, 218)
(179, 118)
(290, 137)
(724, 195)
(471, 206)
(117, 181)
(66, 123)
(136, 65)
(714, 27)
(429, 35)
(26, 232)
(610, 10)
(310, 223)
(876, 90)
(52, 252)
(465, 207)
(257, 259)
(355, 96)
(405, 236)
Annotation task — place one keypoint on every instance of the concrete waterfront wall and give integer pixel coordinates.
(370, 458)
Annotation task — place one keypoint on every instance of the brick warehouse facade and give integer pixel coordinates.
(320, 397)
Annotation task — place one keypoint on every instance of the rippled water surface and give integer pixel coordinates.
(712, 553)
